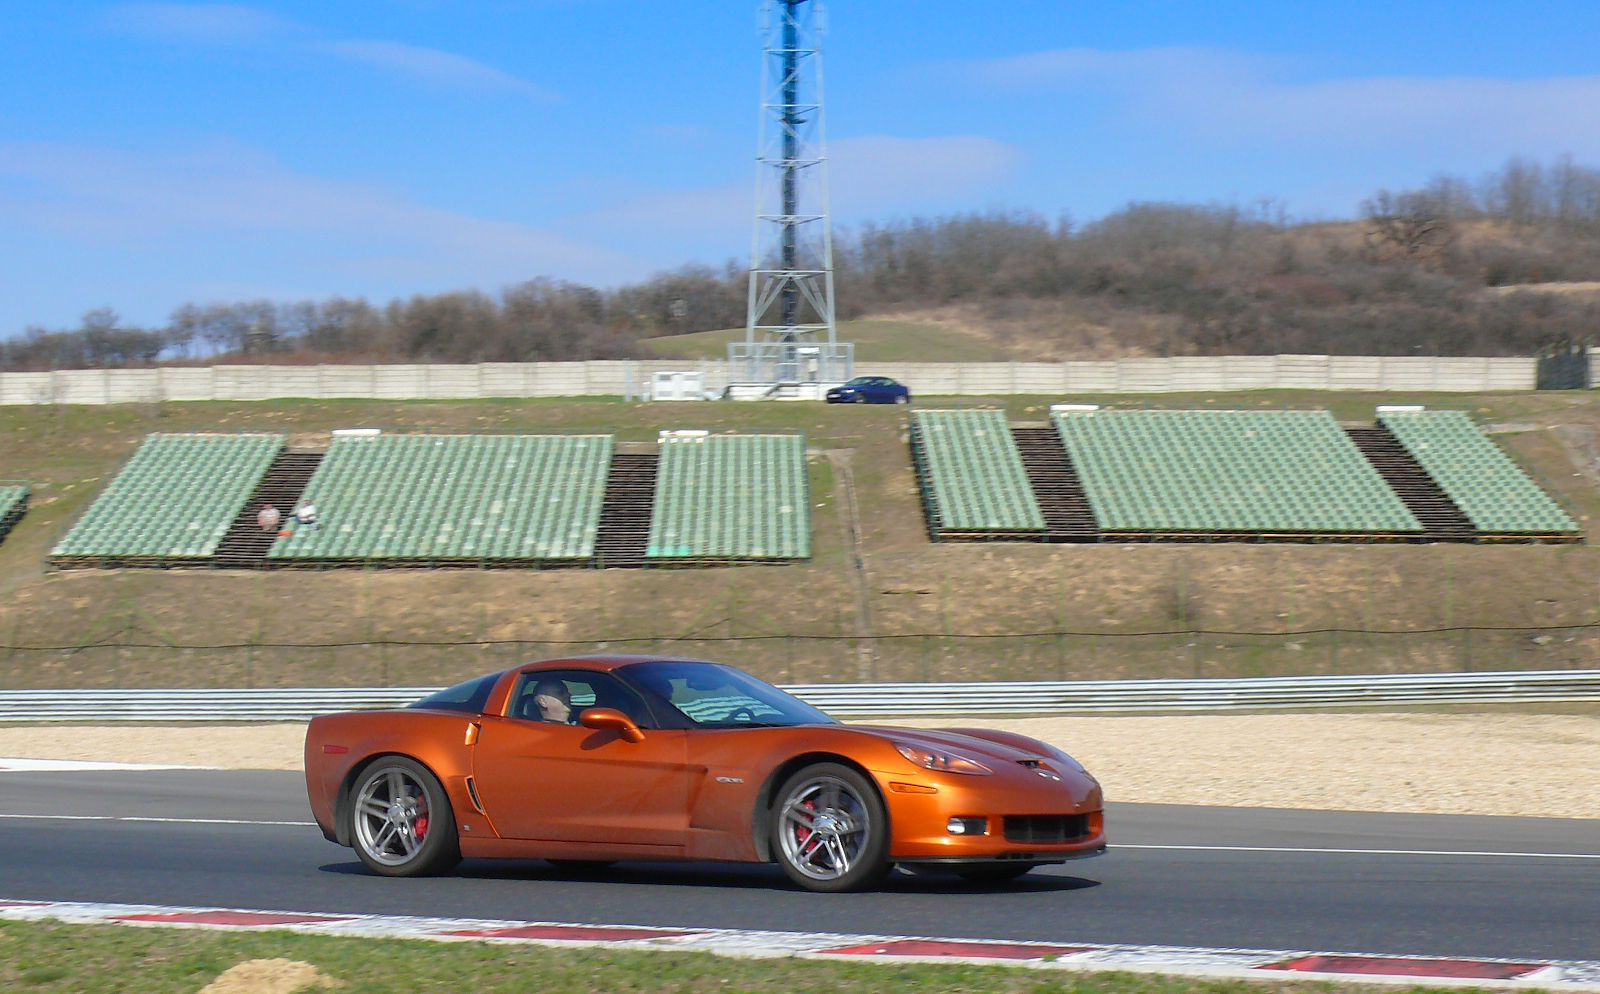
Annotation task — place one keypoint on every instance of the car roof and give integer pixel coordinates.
(603, 661)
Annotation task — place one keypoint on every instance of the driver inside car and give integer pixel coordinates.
(554, 701)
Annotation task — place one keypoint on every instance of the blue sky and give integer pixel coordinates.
(155, 154)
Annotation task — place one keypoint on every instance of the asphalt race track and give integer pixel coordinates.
(1223, 877)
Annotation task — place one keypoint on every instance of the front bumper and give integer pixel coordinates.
(932, 844)
(919, 820)
(1032, 858)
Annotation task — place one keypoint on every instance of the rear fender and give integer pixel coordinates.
(341, 820)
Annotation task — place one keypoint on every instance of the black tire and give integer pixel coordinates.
(830, 831)
(861, 398)
(998, 873)
(904, 398)
(400, 820)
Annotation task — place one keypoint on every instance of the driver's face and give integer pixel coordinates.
(552, 708)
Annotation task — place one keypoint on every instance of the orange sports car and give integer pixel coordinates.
(591, 760)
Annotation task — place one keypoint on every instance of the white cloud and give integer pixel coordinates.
(235, 199)
(1143, 69)
(695, 220)
(1242, 99)
(867, 175)
(435, 66)
(876, 173)
(218, 25)
(196, 24)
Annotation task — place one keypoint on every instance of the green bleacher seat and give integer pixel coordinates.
(731, 497)
(175, 499)
(13, 505)
(1279, 472)
(975, 472)
(1491, 490)
(454, 497)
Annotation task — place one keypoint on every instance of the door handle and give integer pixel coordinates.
(473, 728)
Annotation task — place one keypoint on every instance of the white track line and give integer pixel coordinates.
(1366, 852)
(148, 818)
(13, 765)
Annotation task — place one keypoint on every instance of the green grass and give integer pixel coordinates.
(876, 340)
(51, 957)
(909, 610)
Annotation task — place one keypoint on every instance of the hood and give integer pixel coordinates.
(1002, 752)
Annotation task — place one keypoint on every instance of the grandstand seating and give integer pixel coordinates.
(1207, 472)
(731, 497)
(974, 473)
(174, 499)
(442, 498)
(13, 505)
(1493, 491)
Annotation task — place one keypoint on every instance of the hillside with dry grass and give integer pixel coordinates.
(1418, 272)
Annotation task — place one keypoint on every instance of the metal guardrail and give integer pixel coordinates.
(874, 700)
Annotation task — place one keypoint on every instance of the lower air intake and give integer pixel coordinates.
(1046, 828)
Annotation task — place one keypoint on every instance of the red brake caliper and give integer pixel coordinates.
(420, 826)
(801, 833)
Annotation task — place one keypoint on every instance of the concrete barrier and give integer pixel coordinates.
(879, 700)
(414, 381)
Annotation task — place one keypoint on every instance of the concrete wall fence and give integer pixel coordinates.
(630, 378)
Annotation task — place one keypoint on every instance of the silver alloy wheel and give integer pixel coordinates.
(391, 816)
(824, 828)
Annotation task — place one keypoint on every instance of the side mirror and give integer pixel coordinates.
(602, 718)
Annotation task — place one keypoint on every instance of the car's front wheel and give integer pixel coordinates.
(830, 831)
(400, 820)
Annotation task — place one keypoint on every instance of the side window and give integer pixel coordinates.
(559, 696)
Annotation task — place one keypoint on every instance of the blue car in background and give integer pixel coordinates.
(870, 390)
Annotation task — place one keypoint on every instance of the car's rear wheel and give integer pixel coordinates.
(903, 399)
(400, 820)
(830, 831)
(997, 873)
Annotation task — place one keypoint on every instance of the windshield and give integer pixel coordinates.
(715, 696)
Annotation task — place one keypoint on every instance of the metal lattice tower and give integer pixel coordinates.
(790, 335)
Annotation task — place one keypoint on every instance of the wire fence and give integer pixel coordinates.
(129, 660)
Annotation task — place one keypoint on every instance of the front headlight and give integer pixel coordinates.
(943, 762)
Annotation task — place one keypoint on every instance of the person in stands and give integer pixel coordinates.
(307, 515)
(268, 518)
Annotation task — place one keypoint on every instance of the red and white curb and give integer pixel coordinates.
(1085, 956)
